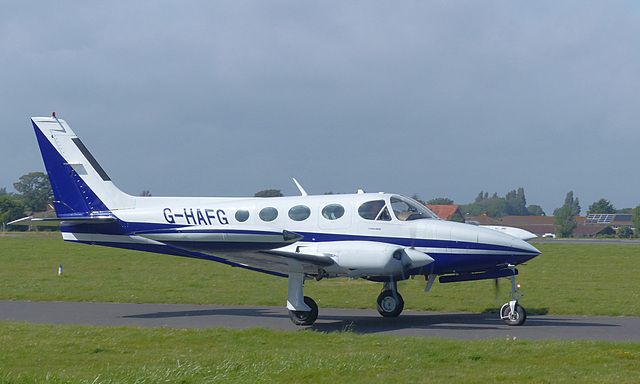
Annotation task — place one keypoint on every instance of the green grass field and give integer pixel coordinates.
(60, 354)
(565, 279)
(573, 279)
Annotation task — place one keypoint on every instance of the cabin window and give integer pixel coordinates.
(333, 211)
(268, 214)
(242, 215)
(406, 209)
(374, 210)
(299, 213)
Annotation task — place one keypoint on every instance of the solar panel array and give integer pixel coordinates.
(599, 218)
(625, 217)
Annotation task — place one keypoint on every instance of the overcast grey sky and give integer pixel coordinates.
(439, 99)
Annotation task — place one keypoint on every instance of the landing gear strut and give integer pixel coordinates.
(302, 309)
(512, 313)
(390, 302)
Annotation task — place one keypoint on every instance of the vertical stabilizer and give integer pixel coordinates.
(80, 185)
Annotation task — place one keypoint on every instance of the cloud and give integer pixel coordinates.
(439, 99)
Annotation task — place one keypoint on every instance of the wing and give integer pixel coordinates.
(250, 248)
(247, 246)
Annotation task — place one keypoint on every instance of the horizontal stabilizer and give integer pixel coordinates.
(60, 221)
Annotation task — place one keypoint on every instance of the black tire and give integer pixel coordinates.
(305, 317)
(515, 319)
(390, 304)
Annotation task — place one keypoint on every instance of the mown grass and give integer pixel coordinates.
(579, 279)
(58, 354)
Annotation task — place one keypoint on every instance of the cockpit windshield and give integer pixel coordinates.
(407, 209)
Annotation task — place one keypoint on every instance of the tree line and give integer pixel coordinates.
(34, 194)
(514, 203)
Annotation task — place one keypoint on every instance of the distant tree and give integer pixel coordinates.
(145, 193)
(10, 210)
(625, 233)
(573, 203)
(494, 206)
(636, 219)
(521, 201)
(535, 210)
(601, 206)
(269, 193)
(516, 203)
(36, 191)
(440, 201)
(10, 195)
(625, 210)
(565, 222)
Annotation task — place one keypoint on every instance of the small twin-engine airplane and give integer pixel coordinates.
(376, 236)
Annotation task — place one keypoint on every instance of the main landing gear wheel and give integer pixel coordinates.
(305, 317)
(515, 317)
(390, 304)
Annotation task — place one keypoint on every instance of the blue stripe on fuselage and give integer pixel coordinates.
(132, 228)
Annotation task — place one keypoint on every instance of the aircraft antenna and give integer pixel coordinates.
(58, 121)
(302, 191)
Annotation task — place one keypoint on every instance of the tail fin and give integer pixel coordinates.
(80, 185)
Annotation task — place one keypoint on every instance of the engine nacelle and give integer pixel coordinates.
(366, 258)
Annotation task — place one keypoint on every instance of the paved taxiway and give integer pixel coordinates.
(465, 326)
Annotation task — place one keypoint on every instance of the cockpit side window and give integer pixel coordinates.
(384, 215)
(407, 209)
(374, 210)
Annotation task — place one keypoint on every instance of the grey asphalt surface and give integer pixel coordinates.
(464, 326)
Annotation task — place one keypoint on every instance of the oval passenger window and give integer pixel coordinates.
(242, 215)
(268, 214)
(299, 213)
(333, 211)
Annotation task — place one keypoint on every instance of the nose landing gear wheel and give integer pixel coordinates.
(516, 317)
(390, 304)
(305, 317)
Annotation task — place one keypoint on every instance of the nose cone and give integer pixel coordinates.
(527, 247)
(519, 248)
